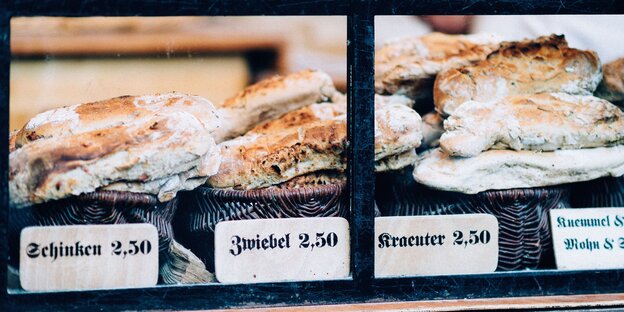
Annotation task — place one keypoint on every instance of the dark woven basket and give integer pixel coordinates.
(204, 207)
(604, 192)
(101, 207)
(524, 231)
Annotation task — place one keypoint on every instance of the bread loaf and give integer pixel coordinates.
(162, 143)
(545, 64)
(540, 122)
(271, 98)
(409, 65)
(504, 169)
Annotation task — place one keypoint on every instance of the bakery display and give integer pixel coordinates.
(121, 160)
(521, 129)
(292, 166)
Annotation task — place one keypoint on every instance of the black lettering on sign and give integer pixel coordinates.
(55, 250)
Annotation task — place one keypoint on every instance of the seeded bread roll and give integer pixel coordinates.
(163, 141)
(505, 169)
(408, 65)
(545, 64)
(540, 122)
(611, 87)
(271, 98)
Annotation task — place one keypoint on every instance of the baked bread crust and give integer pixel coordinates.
(409, 65)
(163, 141)
(271, 98)
(307, 140)
(611, 88)
(505, 169)
(302, 116)
(260, 160)
(540, 122)
(545, 64)
(398, 130)
(396, 162)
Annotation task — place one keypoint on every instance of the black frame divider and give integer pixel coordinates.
(362, 287)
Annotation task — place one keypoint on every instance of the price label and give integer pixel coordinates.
(591, 238)
(435, 245)
(80, 257)
(276, 250)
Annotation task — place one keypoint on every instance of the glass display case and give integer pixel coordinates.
(367, 135)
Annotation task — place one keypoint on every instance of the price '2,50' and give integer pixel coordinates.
(474, 237)
(135, 248)
(322, 240)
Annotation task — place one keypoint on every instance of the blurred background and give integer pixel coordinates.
(601, 33)
(59, 61)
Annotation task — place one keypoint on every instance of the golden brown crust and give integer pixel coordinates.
(261, 160)
(611, 87)
(302, 116)
(76, 119)
(164, 138)
(408, 66)
(271, 98)
(323, 177)
(545, 64)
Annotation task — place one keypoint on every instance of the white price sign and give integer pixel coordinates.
(80, 257)
(277, 250)
(435, 245)
(591, 238)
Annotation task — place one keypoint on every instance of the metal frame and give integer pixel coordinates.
(363, 287)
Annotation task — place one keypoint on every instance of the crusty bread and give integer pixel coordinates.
(163, 141)
(396, 162)
(323, 177)
(261, 160)
(302, 116)
(611, 87)
(408, 65)
(397, 130)
(541, 122)
(505, 169)
(271, 98)
(81, 118)
(545, 64)
(307, 140)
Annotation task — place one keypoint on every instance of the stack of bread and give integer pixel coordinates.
(608, 191)
(116, 161)
(408, 66)
(290, 160)
(520, 125)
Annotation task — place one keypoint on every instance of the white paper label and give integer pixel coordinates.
(435, 245)
(276, 250)
(591, 238)
(80, 257)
